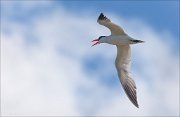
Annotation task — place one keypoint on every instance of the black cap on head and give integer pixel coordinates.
(101, 37)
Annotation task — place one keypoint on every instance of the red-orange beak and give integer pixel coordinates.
(96, 42)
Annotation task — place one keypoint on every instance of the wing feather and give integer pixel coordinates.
(123, 63)
(115, 29)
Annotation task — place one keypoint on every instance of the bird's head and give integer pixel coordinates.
(99, 40)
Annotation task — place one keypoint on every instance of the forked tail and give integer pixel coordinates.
(136, 41)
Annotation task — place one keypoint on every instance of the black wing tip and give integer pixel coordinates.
(135, 102)
(132, 96)
(136, 105)
(102, 16)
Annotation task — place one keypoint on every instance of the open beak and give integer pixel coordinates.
(96, 42)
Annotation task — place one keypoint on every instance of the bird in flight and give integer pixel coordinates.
(123, 60)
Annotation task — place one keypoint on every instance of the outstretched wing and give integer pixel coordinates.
(123, 64)
(115, 29)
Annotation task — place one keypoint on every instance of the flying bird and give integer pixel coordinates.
(123, 60)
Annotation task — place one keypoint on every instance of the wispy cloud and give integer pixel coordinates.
(47, 67)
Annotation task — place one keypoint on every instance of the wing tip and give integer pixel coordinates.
(135, 102)
(102, 16)
(131, 94)
(136, 105)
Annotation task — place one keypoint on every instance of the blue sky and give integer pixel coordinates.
(49, 67)
(162, 15)
(159, 14)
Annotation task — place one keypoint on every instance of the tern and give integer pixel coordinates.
(123, 60)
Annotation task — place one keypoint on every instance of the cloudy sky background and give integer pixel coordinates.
(48, 66)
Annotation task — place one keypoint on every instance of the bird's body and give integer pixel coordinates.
(117, 40)
(123, 60)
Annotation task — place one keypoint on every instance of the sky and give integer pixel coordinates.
(48, 67)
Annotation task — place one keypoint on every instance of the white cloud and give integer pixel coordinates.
(42, 71)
